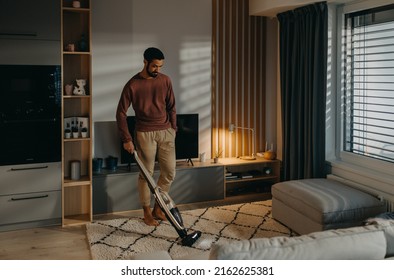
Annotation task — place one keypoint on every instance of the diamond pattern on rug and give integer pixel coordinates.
(122, 238)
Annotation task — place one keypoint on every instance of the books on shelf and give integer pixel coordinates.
(232, 176)
(246, 175)
(243, 175)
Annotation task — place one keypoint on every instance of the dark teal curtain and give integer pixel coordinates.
(303, 78)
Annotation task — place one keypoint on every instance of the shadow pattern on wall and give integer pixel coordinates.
(238, 78)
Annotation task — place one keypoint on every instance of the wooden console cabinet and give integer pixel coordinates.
(117, 191)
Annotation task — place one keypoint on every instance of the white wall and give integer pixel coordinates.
(123, 29)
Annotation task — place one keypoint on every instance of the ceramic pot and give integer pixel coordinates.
(111, 163)
(269, 155)
(68, 89)
(97, 165)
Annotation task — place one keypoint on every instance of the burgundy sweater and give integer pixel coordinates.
(153, 102)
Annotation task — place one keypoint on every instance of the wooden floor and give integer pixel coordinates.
(70, 243)
(47, 243)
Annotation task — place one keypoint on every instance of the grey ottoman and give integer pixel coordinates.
(310, 205)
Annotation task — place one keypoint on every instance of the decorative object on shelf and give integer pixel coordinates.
(269, 153)
(78, 126)
(68, 89)
(84, 132)
(82, 44)
(217, 155)
(83, 125)
(75, 170)
(75, 131)
(268, 171)
(68, 122)
(202, 157)
(67, 133)
(80, 87)
(97, 165)
(70, 48)
(111, 163)
(76, 4)
(231, 129)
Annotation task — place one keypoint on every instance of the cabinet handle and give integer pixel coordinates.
(27, 34)
(52, 120)
(29, 168)
(30, 197)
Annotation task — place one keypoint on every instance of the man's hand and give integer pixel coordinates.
(129, 146)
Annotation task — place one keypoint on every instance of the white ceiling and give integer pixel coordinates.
(270, 8)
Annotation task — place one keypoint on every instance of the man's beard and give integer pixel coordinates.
(152, 74)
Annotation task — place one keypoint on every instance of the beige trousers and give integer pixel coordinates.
(151, 145)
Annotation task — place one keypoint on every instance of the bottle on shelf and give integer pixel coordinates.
(82, 44)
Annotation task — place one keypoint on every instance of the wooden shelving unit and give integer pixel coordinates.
(249, 176)
(76, 64)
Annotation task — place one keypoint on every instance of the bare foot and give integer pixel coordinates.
(148, 217)
(158, 213)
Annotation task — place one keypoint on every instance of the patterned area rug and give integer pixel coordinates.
(122, 238)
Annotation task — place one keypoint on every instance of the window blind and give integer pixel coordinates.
(369, 83)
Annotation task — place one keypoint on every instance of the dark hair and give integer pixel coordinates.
(153, 53)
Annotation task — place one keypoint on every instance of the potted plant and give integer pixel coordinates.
(75, 132)
(84, 132)
(218, 153)
(67, 133)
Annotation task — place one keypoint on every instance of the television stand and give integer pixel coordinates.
(190, 160)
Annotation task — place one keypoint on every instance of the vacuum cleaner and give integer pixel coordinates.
(168, 206)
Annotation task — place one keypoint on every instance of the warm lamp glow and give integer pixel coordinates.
(231, 129)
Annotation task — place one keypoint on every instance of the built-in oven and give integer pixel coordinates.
(30, 114)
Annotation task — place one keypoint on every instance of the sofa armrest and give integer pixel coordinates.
(388, 228)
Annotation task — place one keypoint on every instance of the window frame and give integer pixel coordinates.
(338, 156)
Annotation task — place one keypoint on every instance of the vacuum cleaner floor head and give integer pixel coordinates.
(191, 238)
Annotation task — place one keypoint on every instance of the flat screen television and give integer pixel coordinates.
(186, 140)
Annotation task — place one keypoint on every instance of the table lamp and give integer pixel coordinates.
(232, 127)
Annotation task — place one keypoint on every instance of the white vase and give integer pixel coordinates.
(75, 134)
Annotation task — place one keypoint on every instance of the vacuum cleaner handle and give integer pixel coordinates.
(163, 199)
(145, 172)
(168, 206)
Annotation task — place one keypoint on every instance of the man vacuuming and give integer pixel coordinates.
(150, 94)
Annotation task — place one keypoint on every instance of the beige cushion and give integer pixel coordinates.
(388, 228)
(327, 201)
(352, 243)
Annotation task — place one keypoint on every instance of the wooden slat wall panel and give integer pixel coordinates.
(238, 80)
